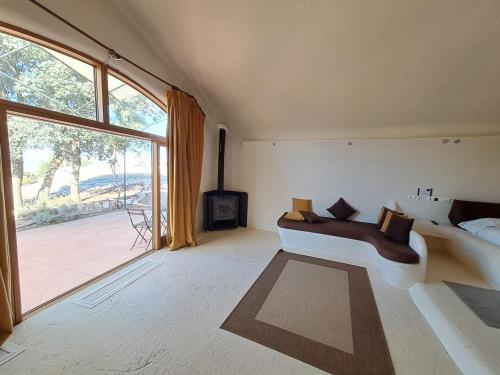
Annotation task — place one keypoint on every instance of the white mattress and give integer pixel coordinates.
(491, 234)
(487, 229)
(472, 250)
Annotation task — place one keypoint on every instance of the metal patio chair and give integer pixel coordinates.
(163, 221)
(142, 225)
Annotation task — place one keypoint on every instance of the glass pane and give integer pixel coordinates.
(40, 77)
(74, 191)
(130, 109)
(163, 187)
(136, 174)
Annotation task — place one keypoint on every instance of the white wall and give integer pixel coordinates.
(367, 174)
(209, 171)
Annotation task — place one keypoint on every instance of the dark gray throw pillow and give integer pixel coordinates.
(312, 218)
(341, 210)
(399, 229)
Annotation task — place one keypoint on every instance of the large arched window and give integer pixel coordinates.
(83, 151)
(45, 75)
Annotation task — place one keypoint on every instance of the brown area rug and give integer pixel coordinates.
(317, 311)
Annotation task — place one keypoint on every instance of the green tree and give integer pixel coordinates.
(10, 64)
(36, 76)
(17, 144)
(31, 75)
(49, 171)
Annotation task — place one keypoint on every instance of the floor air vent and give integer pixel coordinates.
(9, 351)
(104, 291)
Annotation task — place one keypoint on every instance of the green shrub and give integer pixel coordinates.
(66, 210)
(43, 218)
(24, 211)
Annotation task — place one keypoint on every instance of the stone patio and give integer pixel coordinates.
(57, 258)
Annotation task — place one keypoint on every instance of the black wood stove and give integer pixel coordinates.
(224, 209)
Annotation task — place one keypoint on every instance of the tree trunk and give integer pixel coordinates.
(76, 163)
(44, 191)
(113, 164)
(17, 181)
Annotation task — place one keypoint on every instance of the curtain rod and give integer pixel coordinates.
(112, 52)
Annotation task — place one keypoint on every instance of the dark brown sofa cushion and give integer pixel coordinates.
(312, 218)
(383, 213)
(469, 210)
(341, 209)
(356, 230)
(399, 229)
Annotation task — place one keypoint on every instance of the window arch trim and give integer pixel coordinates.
(101, 86)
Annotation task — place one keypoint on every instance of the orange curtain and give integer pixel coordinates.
(6, 275)
(185, 158)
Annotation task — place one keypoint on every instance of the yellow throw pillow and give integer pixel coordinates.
(302, 205)
(294, 215)
(381, 214)
(386, 222)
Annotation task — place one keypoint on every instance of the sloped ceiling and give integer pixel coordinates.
(290, 69)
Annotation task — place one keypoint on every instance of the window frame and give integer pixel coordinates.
(116, 73)
(101, 72)
(101, 123)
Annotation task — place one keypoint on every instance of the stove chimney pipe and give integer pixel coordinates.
(222, 146)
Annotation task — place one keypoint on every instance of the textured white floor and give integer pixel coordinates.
(168, 321)
(472, 344)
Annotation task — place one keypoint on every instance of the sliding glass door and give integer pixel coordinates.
(82, 203)
(163, 190)
(85, 169)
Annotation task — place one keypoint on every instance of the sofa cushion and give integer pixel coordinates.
(382, 215)
(356, 230)
(398, 228)
(341, 209)
(387, 220)
(312, 218)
